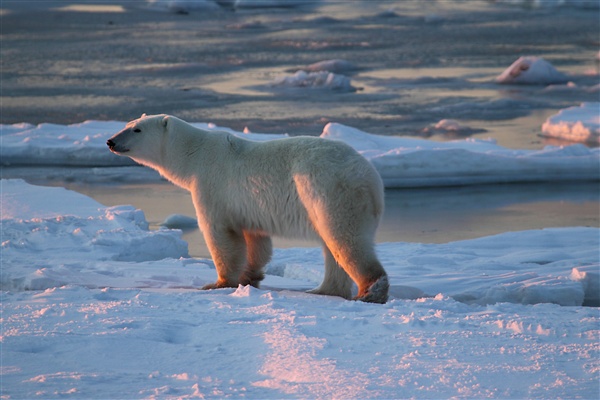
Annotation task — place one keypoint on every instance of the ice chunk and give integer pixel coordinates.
(589, 276)
(178, 221)
(336, 66)
(577, 124)
(531, 71)
(321, 79)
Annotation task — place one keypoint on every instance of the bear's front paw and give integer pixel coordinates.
(252, 278)
(218, 285)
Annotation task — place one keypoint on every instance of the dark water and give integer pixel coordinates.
(417, 62)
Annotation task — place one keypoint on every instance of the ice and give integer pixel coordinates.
(77, 235)
(585, 4)
(402, 162)
(186, 6)
(531, 70)
(315, 80)
(336, 66)
(80, 238)
(178, 221)
(79, 278)
(577, 124)
(52, 234)
(51, 144)
(590, 278)
(405, 162)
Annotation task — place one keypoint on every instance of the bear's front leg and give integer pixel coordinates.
(258, 254)
(228, 250)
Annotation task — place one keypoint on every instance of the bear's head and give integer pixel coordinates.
(142, 139)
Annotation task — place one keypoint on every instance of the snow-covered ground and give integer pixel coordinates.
(402, 162)
(112, 311)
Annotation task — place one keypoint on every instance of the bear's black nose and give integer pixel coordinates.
(110, 144)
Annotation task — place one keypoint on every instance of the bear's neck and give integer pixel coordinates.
(179, 159)
(187, 155)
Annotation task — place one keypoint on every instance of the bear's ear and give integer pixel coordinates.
(165, 121)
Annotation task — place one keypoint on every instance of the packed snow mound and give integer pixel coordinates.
(531, 71)
(51, 235)
(402, 162)
(315, 80)
(577, 124)
(58, 237)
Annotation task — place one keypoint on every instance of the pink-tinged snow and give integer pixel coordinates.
(402, 162)
(531, 71)
(578, 124)
(112, 317)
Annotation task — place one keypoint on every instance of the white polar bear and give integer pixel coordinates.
(246, 191)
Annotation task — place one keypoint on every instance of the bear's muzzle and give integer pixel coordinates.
(114, 147)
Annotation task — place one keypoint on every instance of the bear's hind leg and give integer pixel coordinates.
(228, 250)
(360, 262)
(336, 281)
(259, 250)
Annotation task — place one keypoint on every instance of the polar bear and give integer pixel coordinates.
(245, 191)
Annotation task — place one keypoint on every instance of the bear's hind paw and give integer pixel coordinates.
(377, 292)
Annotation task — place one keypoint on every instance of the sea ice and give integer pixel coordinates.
(531, 71)
(402, 162)
(315, 80)
(577, 124)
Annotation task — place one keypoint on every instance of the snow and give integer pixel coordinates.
(94, 305)
(531, 70)
(401, 161)
(578, 124)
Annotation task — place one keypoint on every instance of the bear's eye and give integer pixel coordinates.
(137, 130)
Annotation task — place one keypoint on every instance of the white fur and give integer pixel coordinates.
(246, 191)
